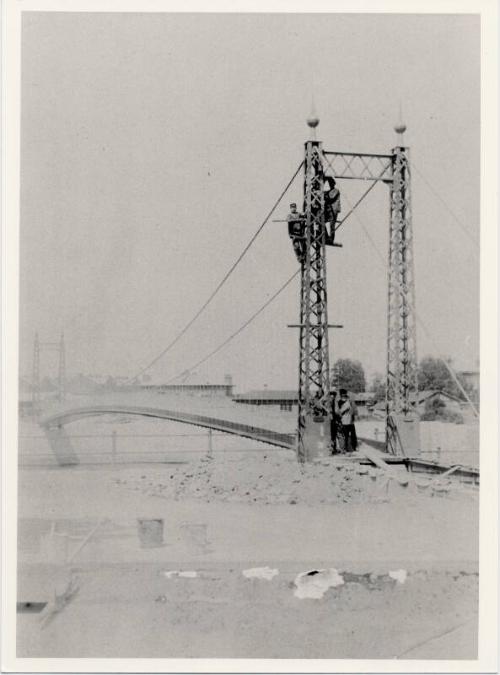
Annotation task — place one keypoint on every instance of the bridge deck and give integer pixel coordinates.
(270, 436)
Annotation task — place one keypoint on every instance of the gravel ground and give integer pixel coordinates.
(222, 516)
(262, 480)
(131, 611)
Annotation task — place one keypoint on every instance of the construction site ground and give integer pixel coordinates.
(405, 555)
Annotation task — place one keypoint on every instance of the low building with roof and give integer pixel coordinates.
(423, 397)
(284, 398)
(287, 399)
(192, 388)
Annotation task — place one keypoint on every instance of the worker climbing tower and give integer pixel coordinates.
(314, 389)
(402, 430)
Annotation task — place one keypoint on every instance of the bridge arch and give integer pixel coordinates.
(58, 420)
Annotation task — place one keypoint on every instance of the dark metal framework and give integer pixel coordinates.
(314, 384)
(401, 384)
(359, 166)
(314, 388)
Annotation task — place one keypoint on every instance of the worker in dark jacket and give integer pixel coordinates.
(347, 412)
(334, 423)
(296, 231)
(332, 207)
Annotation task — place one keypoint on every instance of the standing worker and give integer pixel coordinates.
(296, 231)
(334, 423)
(332, 207)
(347, 412)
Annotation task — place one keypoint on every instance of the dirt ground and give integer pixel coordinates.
(114, 596)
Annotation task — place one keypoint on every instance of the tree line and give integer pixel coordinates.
(433, 374)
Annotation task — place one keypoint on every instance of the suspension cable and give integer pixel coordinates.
(268, 302)
(421, 323)
(220, 284)
(237, 332)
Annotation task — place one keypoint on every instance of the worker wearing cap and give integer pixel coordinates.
(296, 231)
(347, 411)
(332, 206)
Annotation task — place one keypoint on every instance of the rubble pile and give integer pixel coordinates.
(264, 480)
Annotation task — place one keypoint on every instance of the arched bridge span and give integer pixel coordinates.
(282, 440)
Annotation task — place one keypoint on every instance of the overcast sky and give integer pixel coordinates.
(153, 145)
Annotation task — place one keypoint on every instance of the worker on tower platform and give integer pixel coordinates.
(332, 207)
(296, 231)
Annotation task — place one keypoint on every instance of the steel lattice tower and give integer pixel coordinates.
(393, 169)
(401, 327)
(314, 389)
(61, 379)
(60, 348)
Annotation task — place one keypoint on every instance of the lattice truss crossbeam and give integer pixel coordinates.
(58, 347)
(358, 166)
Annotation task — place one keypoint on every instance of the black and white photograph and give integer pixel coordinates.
(246, 417)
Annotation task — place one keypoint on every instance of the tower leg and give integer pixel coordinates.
(314, 385)
(62, 370)
(402, 420)
(61, 446)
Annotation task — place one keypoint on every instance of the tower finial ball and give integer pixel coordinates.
(312, 122)
(400, 128)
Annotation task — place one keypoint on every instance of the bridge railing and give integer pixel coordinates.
(128, 448)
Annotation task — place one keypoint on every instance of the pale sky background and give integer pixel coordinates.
(153, 146)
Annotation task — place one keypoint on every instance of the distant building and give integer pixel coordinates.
(207, 389)
(364, 400)
(452, 402)
(286, 399)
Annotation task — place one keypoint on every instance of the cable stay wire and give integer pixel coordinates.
(449, 368)
(461, 225)
(420, 322)
(341, 222)
(268, 302)
(220, 284)
(238, 331)
(254, 316)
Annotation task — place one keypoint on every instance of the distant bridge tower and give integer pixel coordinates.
(61, 373)
(314, 387)
(35, 390)
(60, 348)
(402, 431)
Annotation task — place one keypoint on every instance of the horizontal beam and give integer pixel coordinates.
(356, 154)
(303, 325)
(374, 178)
